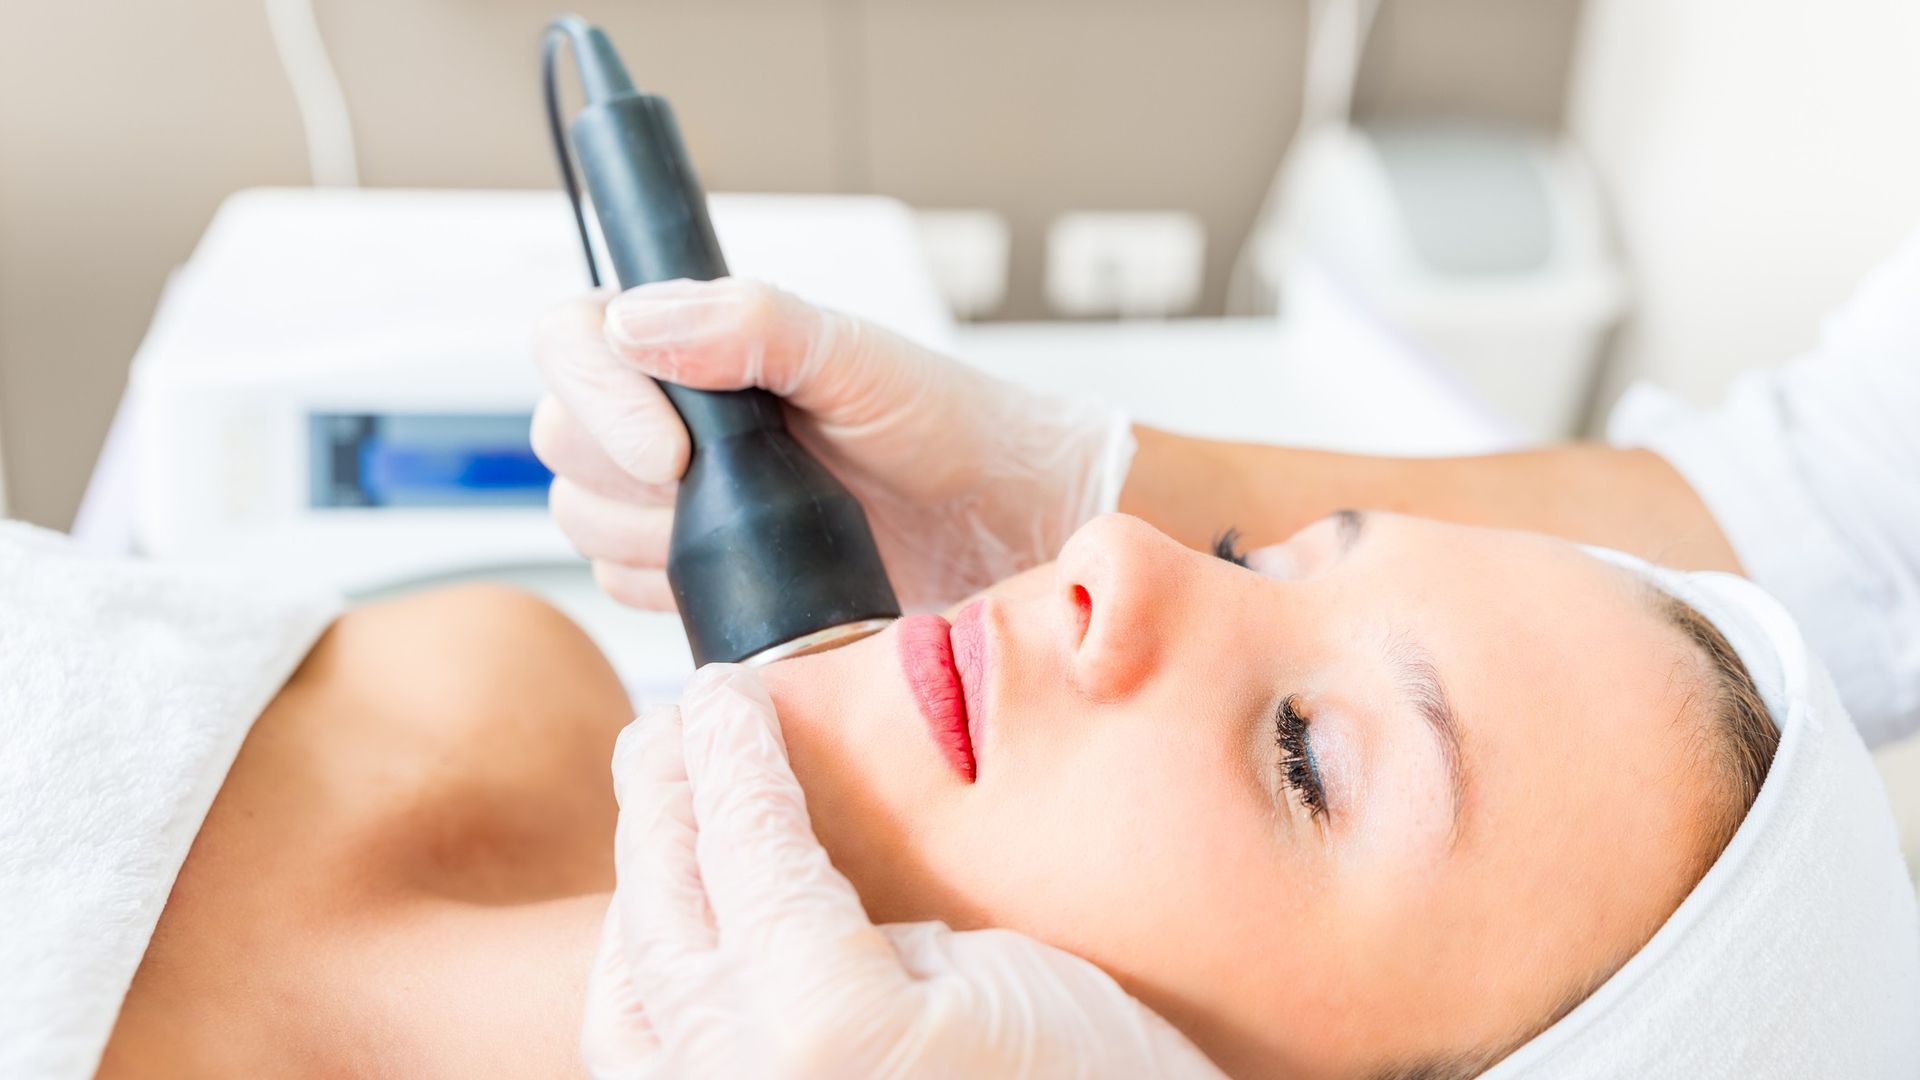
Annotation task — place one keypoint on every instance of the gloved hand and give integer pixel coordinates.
(965, 478)
(734, 948)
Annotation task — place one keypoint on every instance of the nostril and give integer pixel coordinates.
(1083, 611)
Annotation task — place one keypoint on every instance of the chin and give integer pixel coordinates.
(874, 781)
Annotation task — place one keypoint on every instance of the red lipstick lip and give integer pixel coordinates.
(926, 648)
(970, 659)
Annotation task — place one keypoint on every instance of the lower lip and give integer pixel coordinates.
(927, 646)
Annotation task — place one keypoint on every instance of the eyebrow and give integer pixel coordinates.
(1420, 684)
(1419, 680)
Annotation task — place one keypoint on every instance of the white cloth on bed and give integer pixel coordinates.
(1798, 954)
(126, 689)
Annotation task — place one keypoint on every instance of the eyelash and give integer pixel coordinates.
(1297, 766)
(1227, 546)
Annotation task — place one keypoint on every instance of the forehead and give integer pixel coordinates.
(1492, 604)
(1562, 671)
(1571, 689)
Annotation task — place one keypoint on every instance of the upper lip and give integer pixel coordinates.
(968, 635)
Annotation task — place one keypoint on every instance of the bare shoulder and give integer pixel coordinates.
(437, 759)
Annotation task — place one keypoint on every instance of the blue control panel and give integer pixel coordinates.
(423, 460)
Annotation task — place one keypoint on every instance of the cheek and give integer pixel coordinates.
(1127, 837)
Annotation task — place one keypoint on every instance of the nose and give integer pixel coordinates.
(1118, 582)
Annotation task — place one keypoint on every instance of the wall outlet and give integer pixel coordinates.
(1147, 264)
(967, 251)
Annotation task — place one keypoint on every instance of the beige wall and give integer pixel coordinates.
(1026, 106)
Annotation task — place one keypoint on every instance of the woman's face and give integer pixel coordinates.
(1389, 793)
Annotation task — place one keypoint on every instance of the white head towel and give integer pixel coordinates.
(1798, 954)
(126, 689)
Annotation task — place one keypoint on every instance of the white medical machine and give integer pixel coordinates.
(338, 384)
(341, 381)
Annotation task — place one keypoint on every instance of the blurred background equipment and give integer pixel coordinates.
(316, 92)
(1484, 242)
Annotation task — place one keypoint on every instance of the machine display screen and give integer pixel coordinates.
(423, 460)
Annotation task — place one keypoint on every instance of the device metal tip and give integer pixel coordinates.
(819, 641)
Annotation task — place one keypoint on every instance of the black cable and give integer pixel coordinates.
(549, 51)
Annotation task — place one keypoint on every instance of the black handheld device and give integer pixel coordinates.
(770, 555)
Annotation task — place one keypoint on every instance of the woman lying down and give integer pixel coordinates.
(1390, 799)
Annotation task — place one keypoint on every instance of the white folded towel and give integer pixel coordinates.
(126, 689)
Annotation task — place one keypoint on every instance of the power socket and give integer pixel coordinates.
(967, 252)
(1145, 264)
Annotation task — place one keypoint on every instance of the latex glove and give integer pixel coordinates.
(734, 948)
(966, 479)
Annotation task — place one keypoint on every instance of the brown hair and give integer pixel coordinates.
(1738, 740)
(1742, 735)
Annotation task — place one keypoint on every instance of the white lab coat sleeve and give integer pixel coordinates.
(1813, 472)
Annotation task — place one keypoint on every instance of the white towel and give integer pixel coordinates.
(126, 689)
(1798, 954)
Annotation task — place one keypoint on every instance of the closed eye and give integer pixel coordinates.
(1299, 769)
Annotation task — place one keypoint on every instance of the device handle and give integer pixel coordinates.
(653, 218)
(770, 554)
